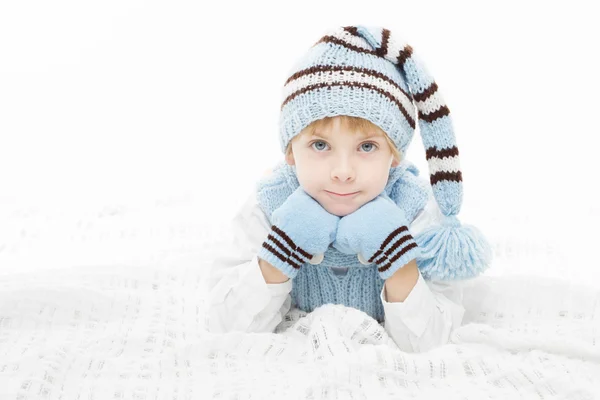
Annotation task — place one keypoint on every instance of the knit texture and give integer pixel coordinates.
(300, 229)
(115, 331)
(378, 233)
(128, 322)
(370, 73)
(315, 285)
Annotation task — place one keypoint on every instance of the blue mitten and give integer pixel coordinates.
(301, 228)
(378, 232)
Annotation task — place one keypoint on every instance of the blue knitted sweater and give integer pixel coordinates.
(320, 284)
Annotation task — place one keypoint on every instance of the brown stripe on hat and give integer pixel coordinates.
(404, 54)
(349, 68)
(426, 93)
(352, 30)
(445, 176)
(408, 117)
(439, 113)
(434, 152)
(385, 38)
(382, 50)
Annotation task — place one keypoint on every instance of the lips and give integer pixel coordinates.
(341, 194)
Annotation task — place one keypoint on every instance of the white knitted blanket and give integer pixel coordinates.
(127, 323)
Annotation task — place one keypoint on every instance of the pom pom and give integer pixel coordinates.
(452, 251)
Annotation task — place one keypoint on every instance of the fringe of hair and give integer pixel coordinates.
(354, 124)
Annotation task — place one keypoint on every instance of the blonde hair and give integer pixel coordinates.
(354, 125)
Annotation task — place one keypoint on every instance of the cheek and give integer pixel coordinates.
(311, 173)
(382, 180)
(310, 182)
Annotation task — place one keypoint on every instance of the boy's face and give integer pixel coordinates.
(334, 162)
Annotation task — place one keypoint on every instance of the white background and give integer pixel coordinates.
(125, 104)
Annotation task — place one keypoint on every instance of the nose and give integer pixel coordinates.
(342, 170)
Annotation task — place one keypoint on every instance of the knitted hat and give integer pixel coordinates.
(369, 73)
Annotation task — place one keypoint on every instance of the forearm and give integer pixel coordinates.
(240, 300)
(427, 317)
(401, 283)
(270, 273)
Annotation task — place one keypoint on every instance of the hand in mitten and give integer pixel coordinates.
(378, 232)
(301, 228)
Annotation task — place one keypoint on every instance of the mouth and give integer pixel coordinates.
(341, 194)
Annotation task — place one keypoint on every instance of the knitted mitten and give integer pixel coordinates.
(301, 228)
(378, 232)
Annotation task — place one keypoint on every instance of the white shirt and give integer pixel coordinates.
(239, 299)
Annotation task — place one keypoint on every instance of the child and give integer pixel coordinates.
(345, 219)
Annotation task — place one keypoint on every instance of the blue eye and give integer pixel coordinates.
(321, 146)
(368, 144)
(317, 141)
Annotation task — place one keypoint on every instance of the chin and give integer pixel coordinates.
(340, 209)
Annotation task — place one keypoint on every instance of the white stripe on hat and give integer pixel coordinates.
(446, 164)
(332, 77)
(351, 39)
(394, 47)
(431, 104)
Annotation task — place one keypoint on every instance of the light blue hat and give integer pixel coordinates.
(369, 73)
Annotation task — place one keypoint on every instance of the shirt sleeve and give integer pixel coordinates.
(238, 298)
(427, 317)
(432, 310)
